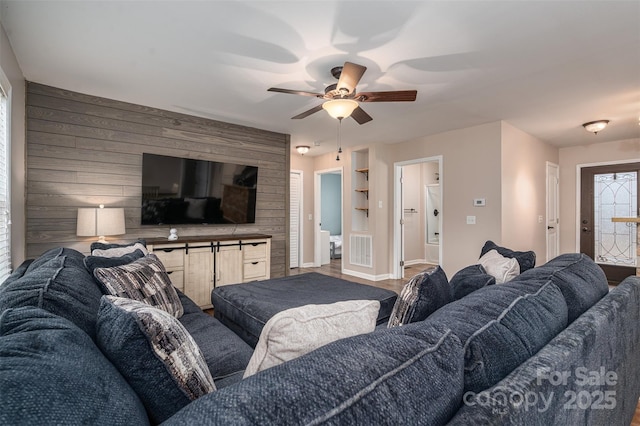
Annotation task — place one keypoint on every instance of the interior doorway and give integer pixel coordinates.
(418, 196)
(328, 222)
(610, 191)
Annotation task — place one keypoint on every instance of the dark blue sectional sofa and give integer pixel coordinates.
(553, 346)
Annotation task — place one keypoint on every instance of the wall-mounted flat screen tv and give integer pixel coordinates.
(179, 191)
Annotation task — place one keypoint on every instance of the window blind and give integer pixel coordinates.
(5, 222)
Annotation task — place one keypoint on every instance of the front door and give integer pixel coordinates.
(606, 192)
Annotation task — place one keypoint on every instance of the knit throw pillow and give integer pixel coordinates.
(154, 353)
(425, 293)
(144, 280)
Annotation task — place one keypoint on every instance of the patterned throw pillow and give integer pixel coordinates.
(144, 280)
(119, 251)
(155, 354)
(294, 332)
(93, 262)
(424, 294)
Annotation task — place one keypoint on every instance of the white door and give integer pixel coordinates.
(295, 209)
(553, 221)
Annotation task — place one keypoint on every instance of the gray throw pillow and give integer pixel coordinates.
(154, 353)
(424, 294)
(294, 332)
(469, 279)
(144, 280)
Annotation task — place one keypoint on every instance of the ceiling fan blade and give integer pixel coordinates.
(350, 76)
(295, 92)
(308, 112)
(392, 96)
(361, 116)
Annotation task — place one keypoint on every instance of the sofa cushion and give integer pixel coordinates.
(501, 326)
(93, 262)
(297, 331)
(57, 282)
(502, 268)
(421, 296)
(225, 353)
(410, 375)
(469, 279)
(155, 353)
(580, 279)
(52, 373)
(526, 259)
(144, 280)
(18, 272)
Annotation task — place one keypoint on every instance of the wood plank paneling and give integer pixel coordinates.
(84, 150)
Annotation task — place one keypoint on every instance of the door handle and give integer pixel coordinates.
(585, 229)
(550, 227)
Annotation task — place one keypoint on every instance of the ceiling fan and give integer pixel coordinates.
(341, 98)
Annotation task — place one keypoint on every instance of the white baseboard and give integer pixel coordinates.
(307, 265)
(369, 277)
(415, 262)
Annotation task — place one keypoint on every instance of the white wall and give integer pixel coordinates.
(11, 69)
(471, 169)
(524, 161)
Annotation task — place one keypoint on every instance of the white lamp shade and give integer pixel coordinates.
(100, 222)
(340, 108)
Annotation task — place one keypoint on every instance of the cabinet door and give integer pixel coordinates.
(229, 265)
(199, 276)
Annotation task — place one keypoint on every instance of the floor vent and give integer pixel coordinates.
(361, 250)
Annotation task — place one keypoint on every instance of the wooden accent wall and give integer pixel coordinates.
(84, 150)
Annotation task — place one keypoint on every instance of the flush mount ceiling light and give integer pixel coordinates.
(340, 108)
(302, 149)
(595, 126)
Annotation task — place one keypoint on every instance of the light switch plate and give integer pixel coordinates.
(479, 202)
(471, 220)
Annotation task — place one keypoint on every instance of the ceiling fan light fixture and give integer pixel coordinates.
(340, 108)
(595, 126)
(302, 149)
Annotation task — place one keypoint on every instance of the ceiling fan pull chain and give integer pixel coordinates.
(339, 141)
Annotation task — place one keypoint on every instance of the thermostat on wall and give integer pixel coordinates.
(479, 202)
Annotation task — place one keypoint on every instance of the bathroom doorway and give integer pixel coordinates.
(417, 213)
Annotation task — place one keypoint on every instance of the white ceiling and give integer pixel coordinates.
(545, 67)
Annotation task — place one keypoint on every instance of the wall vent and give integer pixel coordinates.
(361, 250)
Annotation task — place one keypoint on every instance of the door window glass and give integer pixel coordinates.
(615, 195)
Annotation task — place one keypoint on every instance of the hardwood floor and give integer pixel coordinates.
(636, 417)
(333, 269)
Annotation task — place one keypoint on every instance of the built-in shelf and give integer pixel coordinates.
(363, 209)
(365, 191)
(360, 184)
(364, 171)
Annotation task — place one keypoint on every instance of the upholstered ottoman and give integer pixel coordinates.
(245, 308)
